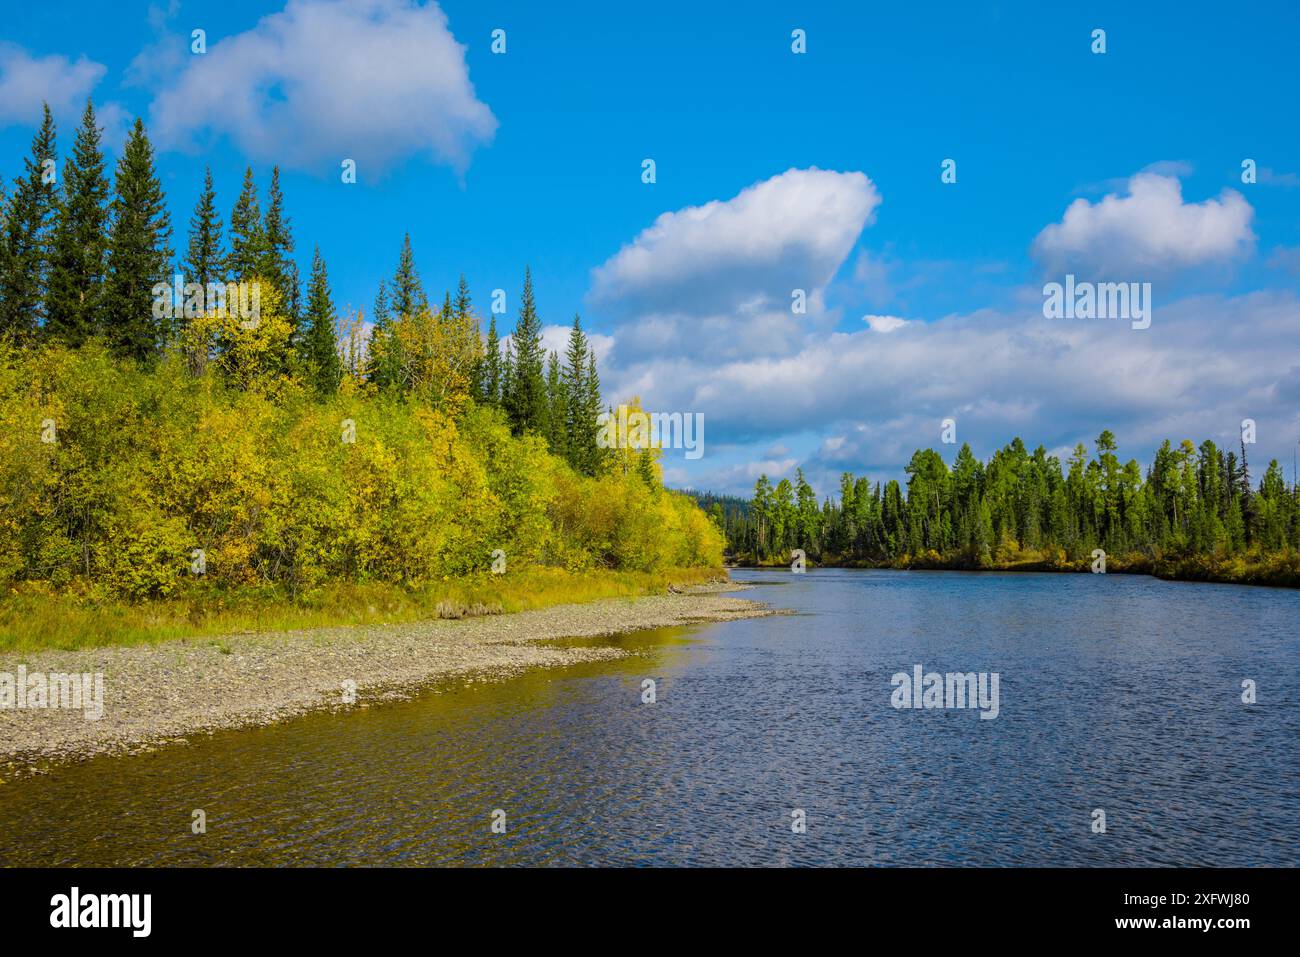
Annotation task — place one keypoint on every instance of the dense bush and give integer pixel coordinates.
(113, 474)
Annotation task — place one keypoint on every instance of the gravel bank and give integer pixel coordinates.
(155, 694)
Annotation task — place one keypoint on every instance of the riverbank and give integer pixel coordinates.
(161, 693)
(1277, 570)
(37, 617)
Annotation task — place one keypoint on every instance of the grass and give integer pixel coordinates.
(33, 618)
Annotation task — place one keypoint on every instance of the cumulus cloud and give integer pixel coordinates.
(374, 81)
(1149, 228)
(27, 81)
(722, 275)
(1206, 363)
(884, 323)
(863, 400)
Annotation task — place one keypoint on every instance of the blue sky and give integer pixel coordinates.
(775, 170)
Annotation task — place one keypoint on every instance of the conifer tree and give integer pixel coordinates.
(24, 263)
(204, 261)
(557, 409)
(380, 317)
(248, 249)
(278, 266)
(507, 373)
(139, 254)
(583, 404)
(320, 340)
(596, 460)
(408, 294)
(80, 239)
(491, 373)
(527, 398)
(463, 303)
(380, 357)
(4, 231)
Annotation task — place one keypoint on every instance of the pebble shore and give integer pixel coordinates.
(158, 694)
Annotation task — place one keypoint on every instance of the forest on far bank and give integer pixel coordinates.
(1193, 513)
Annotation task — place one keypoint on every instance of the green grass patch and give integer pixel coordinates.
(34, 618)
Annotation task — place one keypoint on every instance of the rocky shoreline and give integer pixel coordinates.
(158, 694)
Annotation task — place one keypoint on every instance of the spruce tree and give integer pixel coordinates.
(4, 231)
(408, 293)
(320, 341)
(557, 409)
(277, 266)
(139, 254)
(527, 398)
(589, 411)
(583, 408)
(204, 261)
(378, 351)
(24, 265)
(79, 247)
(463, 303)
(507, 374)
(381, 314)
(247, 238)
(491, 374)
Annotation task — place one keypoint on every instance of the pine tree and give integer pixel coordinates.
(320, 341)
(507, 374)
(491, 373)
(24, 270)
(526, 404)
(557, 409)
(583, 408)
(597, 459)
(4, 231)
(78, 253)
(381, 315)
(139, 254)
(645, 468)
(408, 293)
(248, 249)
(278, 267)
(379, 356)
(204, 261)
(463, 303)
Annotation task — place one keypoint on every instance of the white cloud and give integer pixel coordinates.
(722, 275)
(869, 397)
(1149, 228)
(884, 323)
(1204, 365)
(27, 81)
(374, 81)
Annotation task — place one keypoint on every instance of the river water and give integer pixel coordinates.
(1116, 693)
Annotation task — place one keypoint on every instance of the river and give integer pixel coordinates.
(1116, 693)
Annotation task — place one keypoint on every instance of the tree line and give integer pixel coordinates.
(80, 258)
(1023, 506)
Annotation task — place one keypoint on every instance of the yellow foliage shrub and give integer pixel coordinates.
(121, 481)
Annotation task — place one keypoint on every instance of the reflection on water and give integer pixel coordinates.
(1117, 692)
